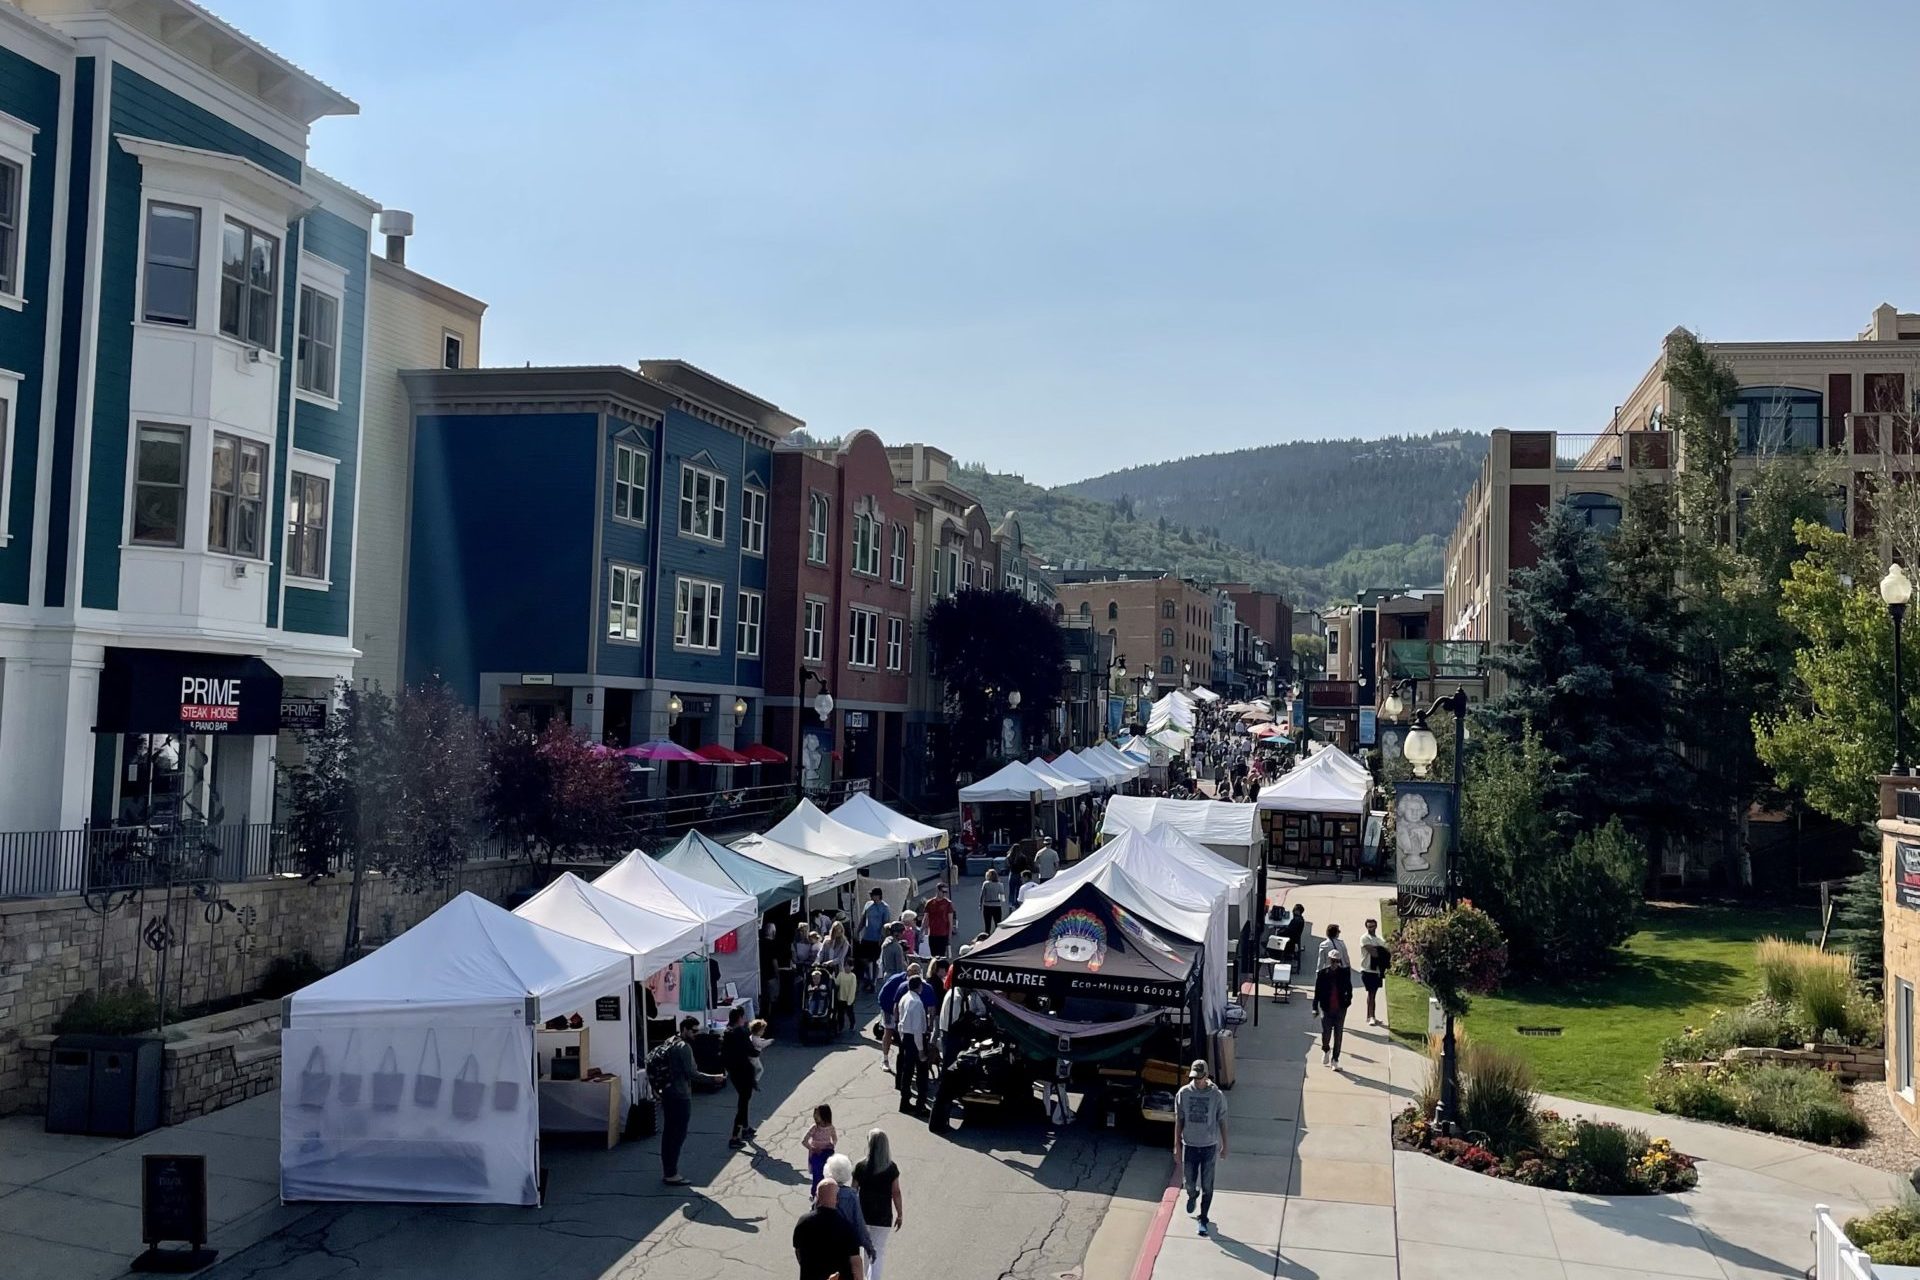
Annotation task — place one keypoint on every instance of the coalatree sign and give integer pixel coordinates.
(209, 705)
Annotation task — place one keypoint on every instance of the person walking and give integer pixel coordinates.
(1375, 958)
(836, 953)
(823, 1244)
(890, 992)
(839, 1175)
(1199, 1136)
(1046, 863)
(1332, 944)
(819, 1142)
(741, 1058)
(1021, 888)
(873, 926)
(877, 1179)
(911, 1022)
(940, 915)
(993, 901)
(676, 1100)
(893, 955)
(846, 989)
(1332, 997)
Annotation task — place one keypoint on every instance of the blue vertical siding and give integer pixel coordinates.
(625, 543)
(334, 433)
(67, 403)
(503, 521)
(29, 92)
(140, 108)
(684, 437)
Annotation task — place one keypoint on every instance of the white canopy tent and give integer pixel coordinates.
(1229, 830)
(863, 813)
(823, 877)
(1176, 708)
(1107, 763)
(1332, 757)
(1063, 786)
(1203, 694)
(1107, 753)
(581, 910)
(1320, 785)
(410, 1076)
(1010, 783)
(727, 920)
(1075, 767)
(813, 829)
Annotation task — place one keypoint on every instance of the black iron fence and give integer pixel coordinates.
(41, 864)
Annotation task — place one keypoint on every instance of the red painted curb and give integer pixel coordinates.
(1157, 1233)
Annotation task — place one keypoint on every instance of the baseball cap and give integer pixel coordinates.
(1198, 1070)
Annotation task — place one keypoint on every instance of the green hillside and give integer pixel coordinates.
(1246, 516)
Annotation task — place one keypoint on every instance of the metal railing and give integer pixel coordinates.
(40, 864)
(1597, 452)
(1436, 659)
(651, 820)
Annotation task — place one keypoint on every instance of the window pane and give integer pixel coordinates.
(173, 261)
(163, 456)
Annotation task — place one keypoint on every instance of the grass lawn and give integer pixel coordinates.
(1684, 963)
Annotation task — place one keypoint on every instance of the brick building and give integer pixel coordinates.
(1164, 622)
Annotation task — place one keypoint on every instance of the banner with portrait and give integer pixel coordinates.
(1116, 715)
(1423, 823)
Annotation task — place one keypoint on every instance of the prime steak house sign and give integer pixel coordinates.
(209, 704)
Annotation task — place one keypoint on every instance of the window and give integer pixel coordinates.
(1166, 609)
(307, 500)
(1086, 610)
(703, 503)
(9, 394)
(1903, 1035)
(896, 643)
(953, 571)
(1166, 637)
(816, 529)
(159, 485)
(1333, 643)
(696, 614)
(1166, 666)
(249, 284)
(13, 207)
(813, 631)
(897, 568)
(625, 595)
(1773, 419)
(753, 521)
(747, 627)
(866, 544)
(863, 637)
(939, 558)
(629, 484)
(315, 352)
(452, 346)
(1113, 611)
(239, 486)
(1600, 510)
(966, 578)
(986, 577)
(172, 285)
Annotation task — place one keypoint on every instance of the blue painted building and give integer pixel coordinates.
(591, 543)
(182, 321)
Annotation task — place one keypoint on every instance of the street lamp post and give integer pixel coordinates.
(1422, 749)
(1896, 589)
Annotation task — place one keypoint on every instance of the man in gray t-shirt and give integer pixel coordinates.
(1199, 1136)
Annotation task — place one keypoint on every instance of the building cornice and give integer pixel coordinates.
(536, 390)
(406, 278)
(47, 41)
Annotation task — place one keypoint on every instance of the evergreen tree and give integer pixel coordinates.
(1589, 681)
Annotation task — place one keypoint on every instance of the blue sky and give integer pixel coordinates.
(1063, 237)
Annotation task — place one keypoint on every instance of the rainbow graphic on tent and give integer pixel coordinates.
(1078, 937)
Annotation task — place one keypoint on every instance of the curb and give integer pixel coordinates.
(1157, 1232)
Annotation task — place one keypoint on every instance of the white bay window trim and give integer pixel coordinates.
(16, 212)
(319, 276)
(698, 610)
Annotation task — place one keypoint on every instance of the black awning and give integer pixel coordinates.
(1087, 945)
(167, 691)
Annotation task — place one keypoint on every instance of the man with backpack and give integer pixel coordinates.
(671, 1070)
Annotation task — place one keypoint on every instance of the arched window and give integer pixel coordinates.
(1166, 666)
(1600, 510)
(1060, 612)
(1113, 611)
(1166, 609)
(1166, 638)
(1086, 610)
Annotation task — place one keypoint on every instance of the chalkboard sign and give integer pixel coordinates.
(173, 1199)
(606, 1009)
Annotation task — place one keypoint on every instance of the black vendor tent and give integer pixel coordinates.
(1089, 946)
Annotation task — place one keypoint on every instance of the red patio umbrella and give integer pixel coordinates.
(661, 749)
(714, 753)
(761, 753)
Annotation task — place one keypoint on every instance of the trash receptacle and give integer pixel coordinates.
(105, 1086)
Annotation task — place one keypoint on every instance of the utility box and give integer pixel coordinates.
(105, 1086)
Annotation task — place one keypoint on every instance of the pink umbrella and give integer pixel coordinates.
(660, 749)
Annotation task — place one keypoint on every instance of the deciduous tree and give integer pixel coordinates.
(985, 645)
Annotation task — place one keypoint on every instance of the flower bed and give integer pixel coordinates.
(1566, 1155)
(1793, 1101)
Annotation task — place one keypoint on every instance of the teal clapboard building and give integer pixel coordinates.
(183, 306)
(590, 543)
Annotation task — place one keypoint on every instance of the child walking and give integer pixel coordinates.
(819, 1143)
(846, 989)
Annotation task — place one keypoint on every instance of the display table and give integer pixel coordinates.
(718, 1015)
(581, 1106)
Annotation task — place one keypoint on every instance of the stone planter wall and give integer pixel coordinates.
(1850, 1063)
(208, 1063)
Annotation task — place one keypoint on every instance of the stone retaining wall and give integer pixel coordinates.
(52, 949)
(1848, 1062)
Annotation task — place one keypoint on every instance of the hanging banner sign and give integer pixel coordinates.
(1906, 874)
(1423, 822)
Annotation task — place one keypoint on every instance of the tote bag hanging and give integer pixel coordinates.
(426, 1081)
(315, 1082)
(350, 1079)
(467, 1090)
(388, 1082)
(506, 1089)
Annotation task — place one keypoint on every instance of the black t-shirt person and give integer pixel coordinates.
(825, 1245)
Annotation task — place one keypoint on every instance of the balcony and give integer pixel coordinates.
(1436, 659)
(1598, 451)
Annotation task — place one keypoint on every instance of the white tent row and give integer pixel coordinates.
(1175, 708)
(1229, 830)
(1100, 777)
(863, 813)
(1016, 781)
(1065, 786)
(1106, 755)
(728, 920)
(811, 828)
(410, 1075)
(823, 877)
(1320, 784)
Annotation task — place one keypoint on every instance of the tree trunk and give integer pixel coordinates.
(352, 940)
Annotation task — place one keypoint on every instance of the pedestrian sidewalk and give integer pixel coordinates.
(1313, 1190)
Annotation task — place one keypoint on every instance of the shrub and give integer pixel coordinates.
(1825, 995)
(1497, 1098)
(1904, 1252)
(1894, 1222)
(1778, 962)
(113, 1011)
(1603, 1156)
(287, 974)
(1455, 955)
(1797, 1102)
(1765, 1023)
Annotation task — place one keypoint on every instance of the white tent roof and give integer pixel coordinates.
(645, 883)
(817, 873)
(1176, 707)
(1208, 821)
(572, 906)
(863, 813)
(1138, 750)
(1074, 767)
(1062, 784)
(1335, 758)
(1107, 763)
(1178, 900)
(1203, 694)
(811, 828)
(1014, 781)
(468, 956)
(1111, 754)
(1321, 785)
(1237, 877)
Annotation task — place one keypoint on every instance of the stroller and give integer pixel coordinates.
(818, 1019)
